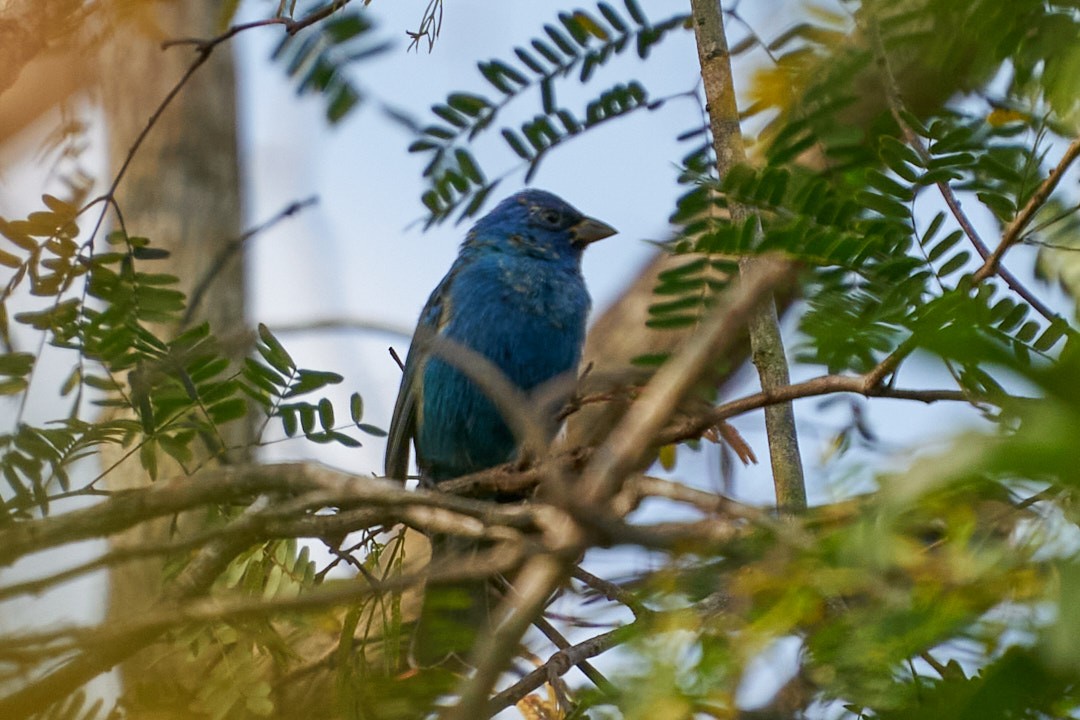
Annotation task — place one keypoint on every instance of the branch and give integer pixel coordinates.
(513, 480)
(868, 385)
(611, 591)
(561, 662)
(629, 445)
(556, 666)
(1015, 229)
(239, 483)
(558, 640)
(766, 342)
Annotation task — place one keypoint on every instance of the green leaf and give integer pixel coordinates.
(449, 115)
(311, 380)
(613, 18)
(150, 253)
(12, 386)
(945, 245)
(564, 43)
(467, 103)
(371, 430)
(954, 263)
(148, 458)
(889, 186)
(635, 12)
(1001, 205)
(307, 417)
(883, 205)
(529, 61)
(356, 407)
(274, 353)
(1051, 335)
(548, 52)
(227, 410)
(501, 76)
(288, 420)
(1027, 332)
(468, 166)
(342, 101)
(516, 144)
(345, 26)
(326, 414)
(343, 439)
(1014, 318)
(16, 363)
(932, 228)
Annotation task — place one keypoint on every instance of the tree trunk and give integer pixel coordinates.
(181, 190)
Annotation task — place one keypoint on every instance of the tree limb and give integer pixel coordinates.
(766, 342)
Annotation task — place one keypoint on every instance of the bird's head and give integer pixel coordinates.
(537, 223)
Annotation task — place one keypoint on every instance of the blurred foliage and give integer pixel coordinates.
(318, 58)
(950, 590)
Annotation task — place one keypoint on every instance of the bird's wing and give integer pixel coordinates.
(403, 423)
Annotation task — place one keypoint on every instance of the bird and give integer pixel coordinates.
(515, 296)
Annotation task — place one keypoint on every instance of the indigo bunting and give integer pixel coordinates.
(514, 295)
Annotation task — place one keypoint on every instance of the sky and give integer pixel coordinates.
(361, 254)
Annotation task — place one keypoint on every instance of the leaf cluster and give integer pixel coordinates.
(168, 393)
(578, 45)
(318, 59)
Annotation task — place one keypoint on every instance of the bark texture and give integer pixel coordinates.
(182, 191)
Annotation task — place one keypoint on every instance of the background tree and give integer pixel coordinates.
(940, 587)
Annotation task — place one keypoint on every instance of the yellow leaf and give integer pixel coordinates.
(828, 15)
(590, 26)
(778, 86)
(1001, 116)
(667, 457)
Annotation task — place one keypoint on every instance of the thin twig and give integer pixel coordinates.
(232, 247)
(373, 326)
(557, 664)
(1014, 230)
(611, 591)
(291, 27)
(557, 639)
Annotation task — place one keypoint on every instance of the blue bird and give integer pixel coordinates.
(514, 295)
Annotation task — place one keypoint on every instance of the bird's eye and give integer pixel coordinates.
(550, 217)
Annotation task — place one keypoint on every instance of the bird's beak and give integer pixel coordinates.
(588, 230)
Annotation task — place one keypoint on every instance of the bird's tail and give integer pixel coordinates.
(454, 614)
